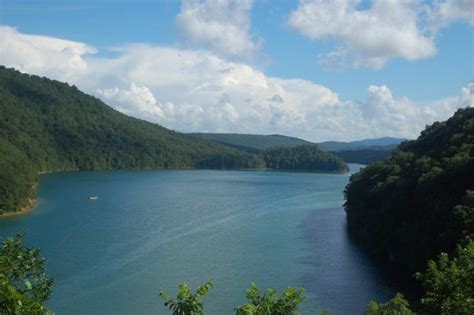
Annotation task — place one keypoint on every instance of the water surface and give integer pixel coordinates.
(151, 230)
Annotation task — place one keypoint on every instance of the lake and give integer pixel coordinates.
(152, 230)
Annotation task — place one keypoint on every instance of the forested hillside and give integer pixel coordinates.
(362, 151)
(420, 201)
(253, 143)
(306, 157)
(47, 125)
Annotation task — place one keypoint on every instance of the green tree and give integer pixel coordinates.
(24, 284)
(419, 202)
(396, 306)
(449, 283)
(270, 302)
(187, 302)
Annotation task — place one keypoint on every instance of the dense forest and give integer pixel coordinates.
(305, 157)
(253, 143)
(420, 201)
(46, 125)
(362, 152)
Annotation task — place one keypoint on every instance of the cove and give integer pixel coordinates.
(151, 230)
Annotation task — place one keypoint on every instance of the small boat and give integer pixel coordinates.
(93, 197)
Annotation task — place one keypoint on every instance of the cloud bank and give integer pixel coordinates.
(370, 37)
(195, 90)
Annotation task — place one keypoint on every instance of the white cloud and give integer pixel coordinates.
(221, 25)
(136, 100)
(445, 12)
(388, 29)
(34, 53)
(190, 90)
(371, 37)
(403, 117)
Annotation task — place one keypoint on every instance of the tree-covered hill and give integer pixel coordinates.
(253, 143)
(384, 143)
(47, 125)
(305, 157)
(362, 151)
(420, 201)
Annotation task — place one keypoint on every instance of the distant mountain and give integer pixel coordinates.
(253, 143)
(362, 151)
(384, 144)
(364, 156)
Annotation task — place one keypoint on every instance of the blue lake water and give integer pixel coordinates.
(151, 230)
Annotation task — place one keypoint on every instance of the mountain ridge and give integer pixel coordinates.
(263, 142)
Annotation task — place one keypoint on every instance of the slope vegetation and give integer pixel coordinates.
(47, 125)
(253, 143)
(420, 201)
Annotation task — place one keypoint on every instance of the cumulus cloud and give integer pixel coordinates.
(34, 53)
(220, 25)
(403, 117)
(135, 101)
(190, 90)
(369, 38)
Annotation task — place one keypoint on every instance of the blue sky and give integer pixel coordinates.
(430, 61)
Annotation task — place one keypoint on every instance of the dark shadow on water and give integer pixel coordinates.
(339, 275)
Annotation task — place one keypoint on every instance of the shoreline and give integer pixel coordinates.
(32, 203)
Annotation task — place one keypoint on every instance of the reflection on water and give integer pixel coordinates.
(351, 279)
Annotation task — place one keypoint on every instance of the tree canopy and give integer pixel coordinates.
(270, 302)
(420, 201)
(304, 157)
(24, 284)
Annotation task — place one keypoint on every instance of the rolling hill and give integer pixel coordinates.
(379, 144)
(362, 151)
(253, 143)
(46, 125)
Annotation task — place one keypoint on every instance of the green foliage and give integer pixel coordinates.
(305, 157)
(253, 143)
(24, 285)
(270, 302)
(363, 152)
(187, 302)
(449, 283)
(16, 177)
(396, 306)
(419, 202)
(46, 125)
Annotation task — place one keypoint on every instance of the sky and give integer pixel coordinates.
(315, 69)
